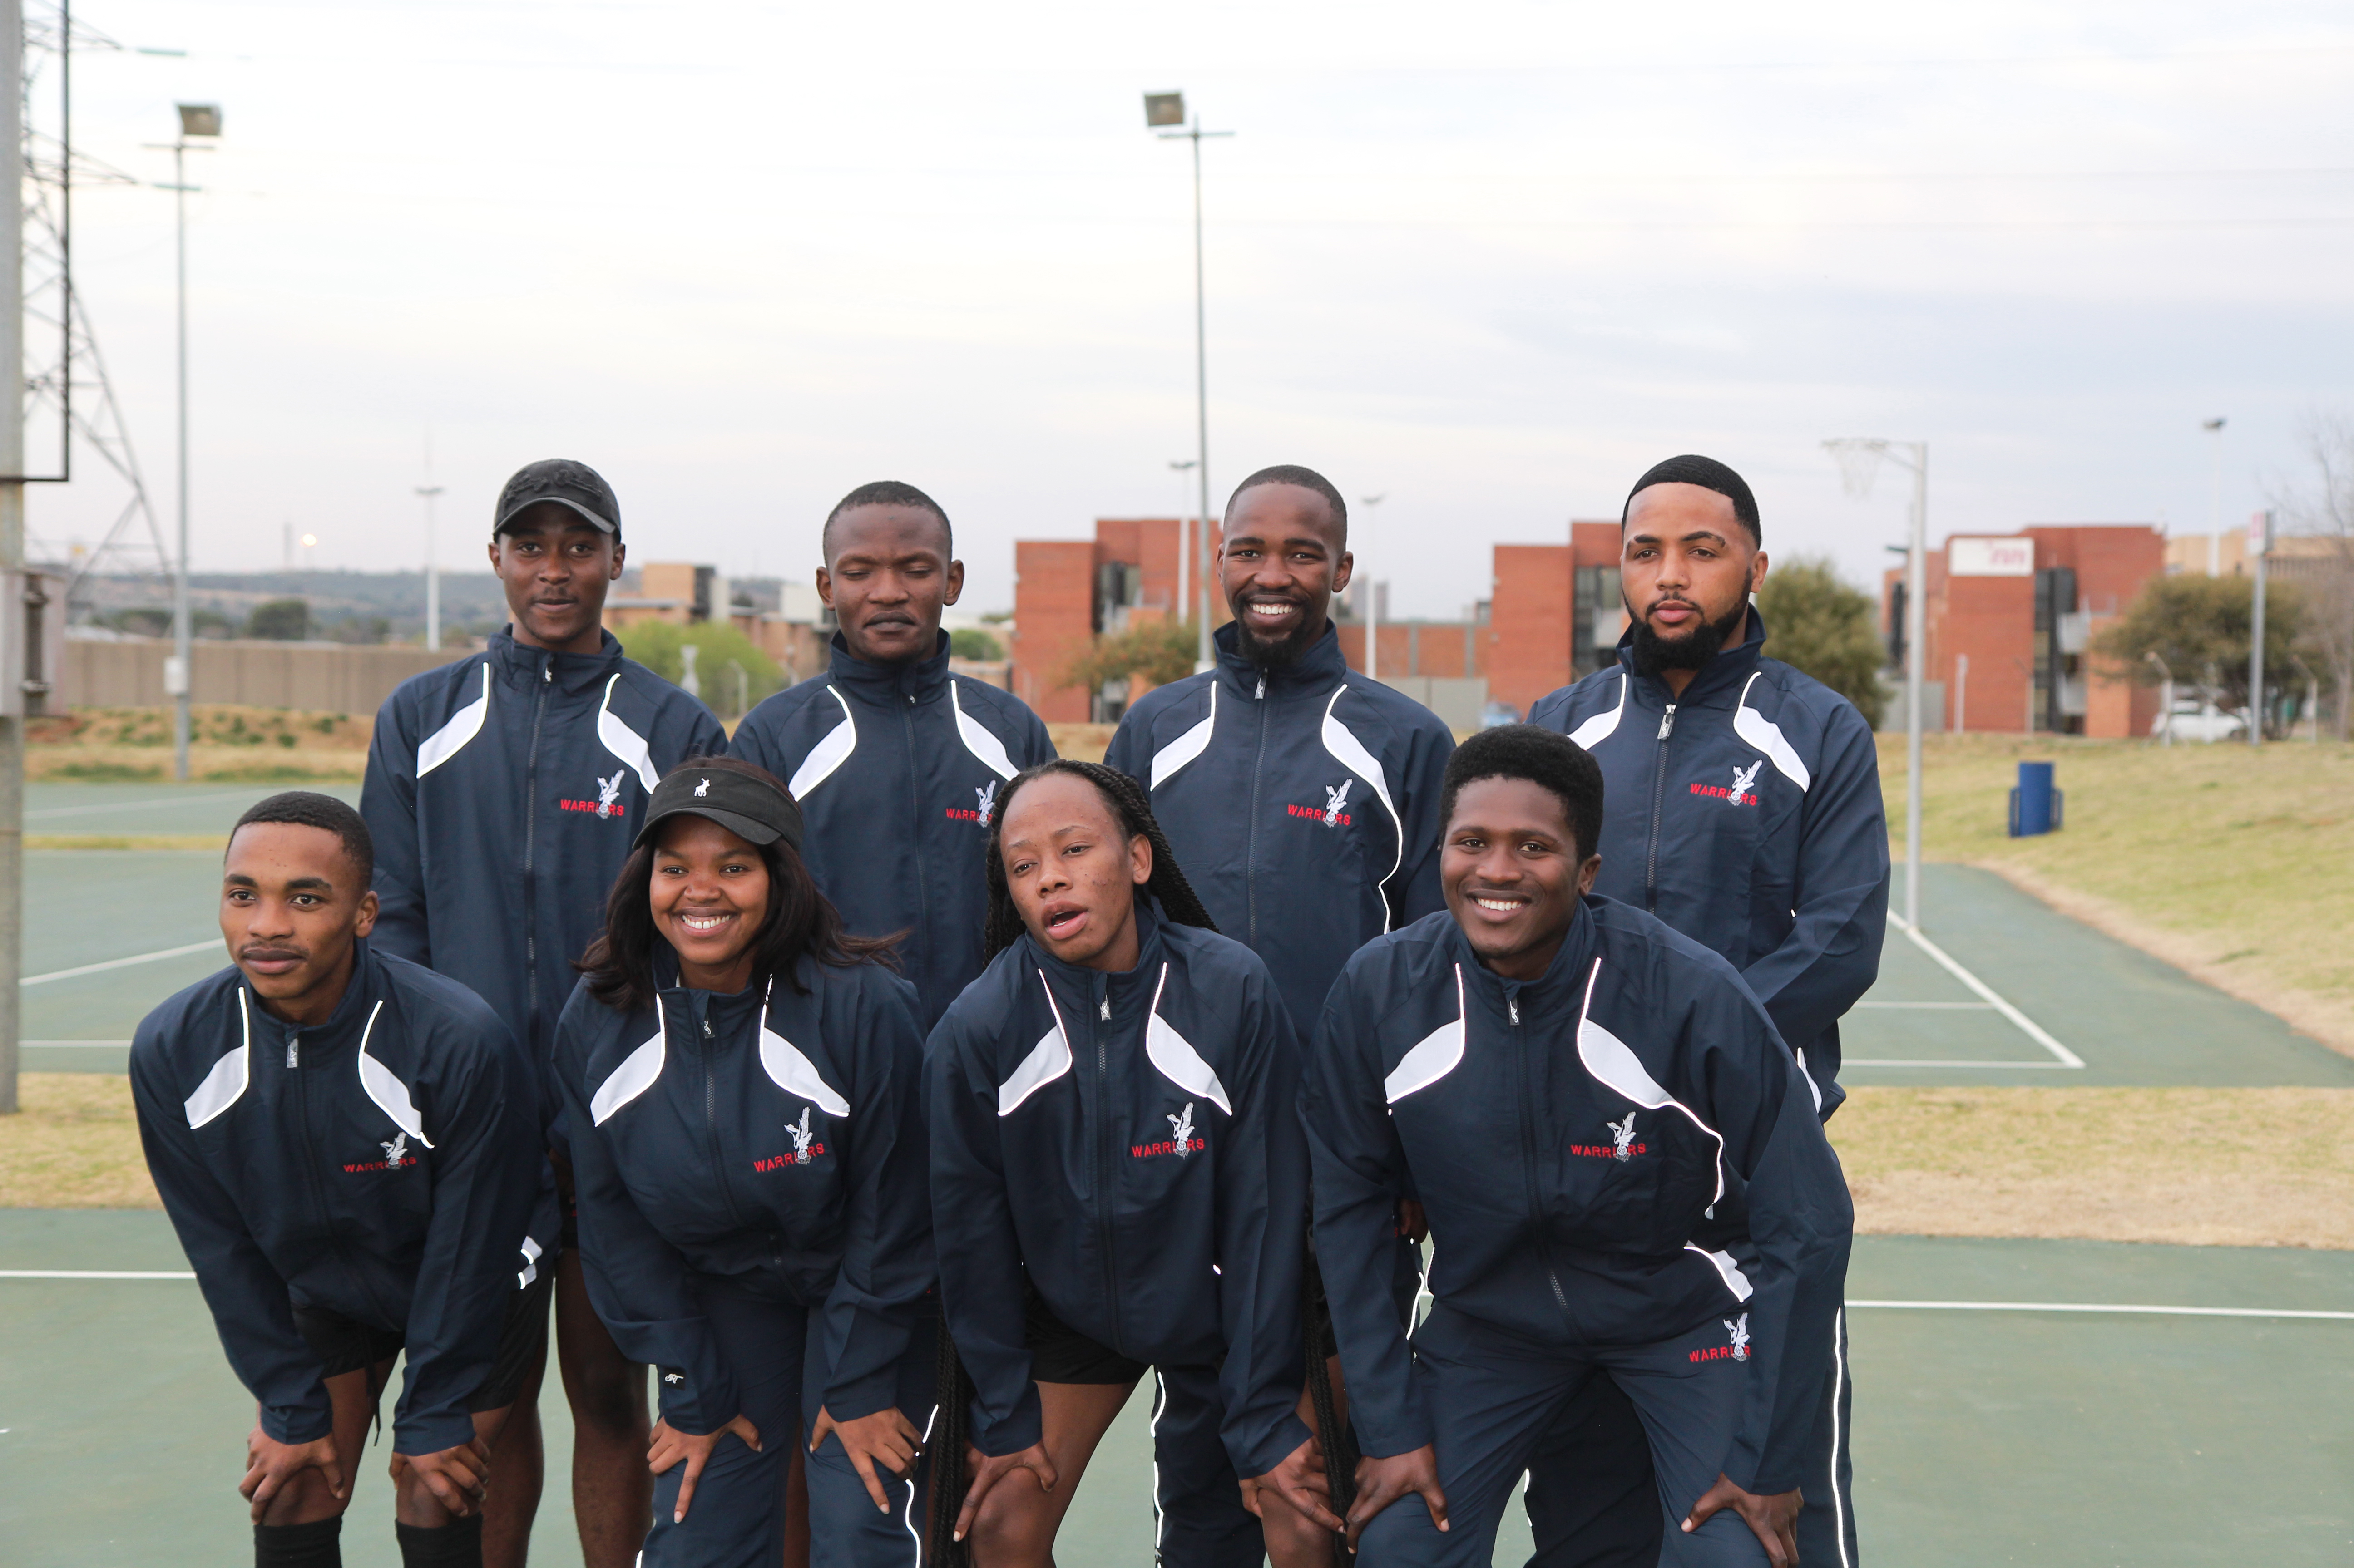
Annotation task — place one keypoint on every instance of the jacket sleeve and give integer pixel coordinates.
(1552, 709)
(1127, 752)
(637, 1281)
(389, 803)
(250, 1308)
(486, 1169)
(1832, 954)
(1262, 1240)
(751, 741)
(1801, 1223)
(706, 737)
(973, 1236)
(1414, 891)
(1358, 1168)
(1031, 744)
(887, 1263)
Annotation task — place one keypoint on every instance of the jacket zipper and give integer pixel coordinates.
(336, 1232)
(711, 1119)
(915, 814)
(1250, 857)
(1529, 1154)
(1659, 805)
(1107, 1230)
(530, 845)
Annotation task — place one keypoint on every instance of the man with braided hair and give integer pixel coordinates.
(1119, 1185)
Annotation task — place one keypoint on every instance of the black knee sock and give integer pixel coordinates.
(299, 1545)
(458, 1544)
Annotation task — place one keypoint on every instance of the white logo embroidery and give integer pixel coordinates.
(1622, 1134)
(1336, 797)
(608, 791)
(1742, 778)
(1739, 1328)
(801, 1136)
(397, 1149)
(673, 1377)
(1180, 1131)
(702, 789)
(987, 795)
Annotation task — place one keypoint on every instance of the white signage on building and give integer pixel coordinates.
(1990, 558)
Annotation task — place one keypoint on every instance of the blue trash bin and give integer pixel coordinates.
(2035, 806)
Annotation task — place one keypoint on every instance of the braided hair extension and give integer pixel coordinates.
(1332, 1435)
(949, 1435)
(1131, 809)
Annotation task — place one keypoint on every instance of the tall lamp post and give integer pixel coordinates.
(432, 573)
(1372, 598)
(1858, 459)
(1163, 110)
(196, 120)
(2215, 499)
(1180, 467)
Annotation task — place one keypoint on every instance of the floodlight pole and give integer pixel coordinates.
(1203, 657)
(12, 534)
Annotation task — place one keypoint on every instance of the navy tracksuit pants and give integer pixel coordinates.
(1494, 1397)
(1198, 1517)
(1589, 1484)
(736, 1518)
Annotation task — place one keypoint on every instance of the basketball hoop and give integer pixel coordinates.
(1858, 462)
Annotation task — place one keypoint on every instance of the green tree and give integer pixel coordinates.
(1159, 650)
(2200, 629)
(972, 643)
(280, 620)
(656, 644)
(1825, 629)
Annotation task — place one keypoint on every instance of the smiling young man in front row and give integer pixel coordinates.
(1571, 1088)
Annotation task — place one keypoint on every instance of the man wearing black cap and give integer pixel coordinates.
(1743, 807)
(502, 791)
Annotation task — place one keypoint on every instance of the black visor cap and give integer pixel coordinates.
(570, 483)
(758, 811)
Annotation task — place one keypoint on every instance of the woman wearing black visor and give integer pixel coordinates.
(743, 1083)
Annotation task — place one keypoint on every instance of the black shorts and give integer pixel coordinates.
(347, 1345)
(1060, 1353)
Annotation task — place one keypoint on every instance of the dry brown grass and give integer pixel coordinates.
(1081, 742)
(74, 1145)
(2200, 1167)
(227, 741)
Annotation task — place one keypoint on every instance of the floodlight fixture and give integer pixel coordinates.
(199, 119)
(1165, 109)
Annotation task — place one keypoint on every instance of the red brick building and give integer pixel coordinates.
(1065, 591)
(2009, 620)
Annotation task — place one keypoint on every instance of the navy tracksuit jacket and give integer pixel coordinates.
(1129, 1140)
(1746, 814)
(502, 791)
(1302, 804)
(897, 768)
(1508, 1105)
(383, 1164)
(771, 1140)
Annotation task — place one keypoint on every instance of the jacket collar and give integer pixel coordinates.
(1315, 671)
(1555, 995)
(1717, 682)
(344, 1024)
(916, 680)
(572, 673)
(1072, 976)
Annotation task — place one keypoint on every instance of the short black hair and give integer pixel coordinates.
(1545, 758)
(1307, 479)
(309, 808)
(1709, 474)
(888, 493)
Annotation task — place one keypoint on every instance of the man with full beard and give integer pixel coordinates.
(1743, 807)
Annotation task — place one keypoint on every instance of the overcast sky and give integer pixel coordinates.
(1487, 261)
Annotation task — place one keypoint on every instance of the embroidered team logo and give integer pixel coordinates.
(1622, 1139)
(1334, 812)
(673, 1378)
(1183, 1140)
(396, 1155)
(1738, 1330)
(397, 1150)
(609, 793)
(805, 1146)
(1745, 786)
(987, 795)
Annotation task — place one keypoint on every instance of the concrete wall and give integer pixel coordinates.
(323, 677)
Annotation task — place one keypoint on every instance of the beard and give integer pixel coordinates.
(1693, 651)
(1276, 652)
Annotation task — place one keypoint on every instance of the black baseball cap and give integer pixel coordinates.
(752, 806)
(565, 481)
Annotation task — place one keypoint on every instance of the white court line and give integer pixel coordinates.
(2026, 1025)
(1989, 1066)
(123, 963)
(94, 1274)
(135, 805)
(68, 1044)
(2105, 1307)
